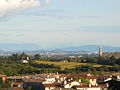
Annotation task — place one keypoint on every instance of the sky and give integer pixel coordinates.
(59, 23)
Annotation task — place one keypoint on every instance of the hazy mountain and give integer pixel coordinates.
(84, 48)
(92, 48)
(36, 49)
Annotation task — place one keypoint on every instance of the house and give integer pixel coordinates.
(55, 87)
(16, 88)
(49, 79)
(25, 59)
(62, 77)
(78, 75)
(88, 87)
(70, 84)
(92, 80)
(52, 78)
(17, 84)
(49, 86)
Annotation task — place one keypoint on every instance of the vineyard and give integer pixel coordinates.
(68, 65)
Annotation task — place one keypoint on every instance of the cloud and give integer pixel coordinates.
(14, 6)
(47, 1)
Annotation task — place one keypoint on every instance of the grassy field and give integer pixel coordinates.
(66, 65)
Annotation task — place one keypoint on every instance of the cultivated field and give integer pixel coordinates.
(64, 65)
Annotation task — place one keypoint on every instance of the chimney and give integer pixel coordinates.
(69, 80)
(48, 76)
(65, 82)
(90, 85)
(80, 80)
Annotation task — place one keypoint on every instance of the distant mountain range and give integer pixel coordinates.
(35, 49)
(87, 48)
(92, 48)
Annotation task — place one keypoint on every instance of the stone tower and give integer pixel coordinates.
(100, 50)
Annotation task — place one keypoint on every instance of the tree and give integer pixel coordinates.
(37, 56)
(7, 84)
(118, 61)
(23, 56)
(113, 84)
(83, 80)
(15, 57)
(113, 60)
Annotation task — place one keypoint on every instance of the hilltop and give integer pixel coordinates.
(115, 54)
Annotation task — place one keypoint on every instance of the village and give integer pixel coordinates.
(56, 81)
(84, 77)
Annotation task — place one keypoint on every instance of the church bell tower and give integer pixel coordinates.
(100, 50)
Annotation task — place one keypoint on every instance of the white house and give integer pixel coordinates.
(70, 84)
(92, 80)
(49, 80)
(49, 86)
(25, 61)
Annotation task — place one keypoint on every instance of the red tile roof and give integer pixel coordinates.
(17, 88)
(71, 81)
(49, 85)
(62, 75)
(81, 86)
(91, 77)
(18, 83)
(86, 86)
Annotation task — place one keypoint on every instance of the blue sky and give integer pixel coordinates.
(61, 23)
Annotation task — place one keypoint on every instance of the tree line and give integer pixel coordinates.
(11, 65)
